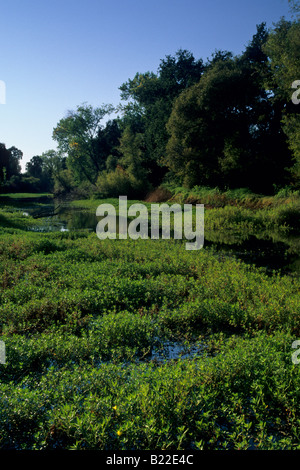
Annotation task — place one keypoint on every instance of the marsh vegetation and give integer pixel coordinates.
(140, 344)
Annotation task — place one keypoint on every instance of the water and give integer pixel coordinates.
(271, 251)
(172, 350)
(52, 218)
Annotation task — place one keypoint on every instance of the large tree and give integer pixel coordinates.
(283, 49)
(149, 99)
(224, 130)
(35, 167)
(9, 162)
(204, 123)
(50, 171)
(76, 135)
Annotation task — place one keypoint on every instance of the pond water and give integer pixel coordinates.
(283, 255)
(171, 350)
(268, 250)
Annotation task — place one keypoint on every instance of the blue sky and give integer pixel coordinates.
(57, 54)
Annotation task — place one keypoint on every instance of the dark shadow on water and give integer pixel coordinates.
(268, 252)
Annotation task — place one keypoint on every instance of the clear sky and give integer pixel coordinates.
(57, 54)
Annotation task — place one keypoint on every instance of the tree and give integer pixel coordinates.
(107, 142)
(9, 162)
(35, 167)
(270, 154)
(179, 72)
(224, 131)
(128, 176)
(49, 171)
(76, 136)
(131, 148)
(16, 156)
(283, 49)
(254, 53)
(150, 99)
(295, 8)
(203, 118)
(55, 170)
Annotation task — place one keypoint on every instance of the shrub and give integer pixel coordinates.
(117, 183)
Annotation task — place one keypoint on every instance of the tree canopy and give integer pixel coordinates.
(9, 162)
(76, 136)
(225, 122)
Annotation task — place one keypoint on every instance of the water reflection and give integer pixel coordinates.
(173, 350)
(271, 250)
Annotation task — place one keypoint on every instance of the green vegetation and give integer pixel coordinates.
(229, 209)
(87, 326)
(141, 344)
(26, 196)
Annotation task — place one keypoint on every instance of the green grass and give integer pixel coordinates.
(92, 204)
(25, 195)
(242, 197)
(85, 324)
(234, 209)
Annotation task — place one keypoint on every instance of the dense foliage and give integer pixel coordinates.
(139, 344)
(88, 326)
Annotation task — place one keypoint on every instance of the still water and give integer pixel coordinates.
(271, 251)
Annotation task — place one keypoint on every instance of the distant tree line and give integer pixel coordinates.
(228, 122)
(10, 167)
